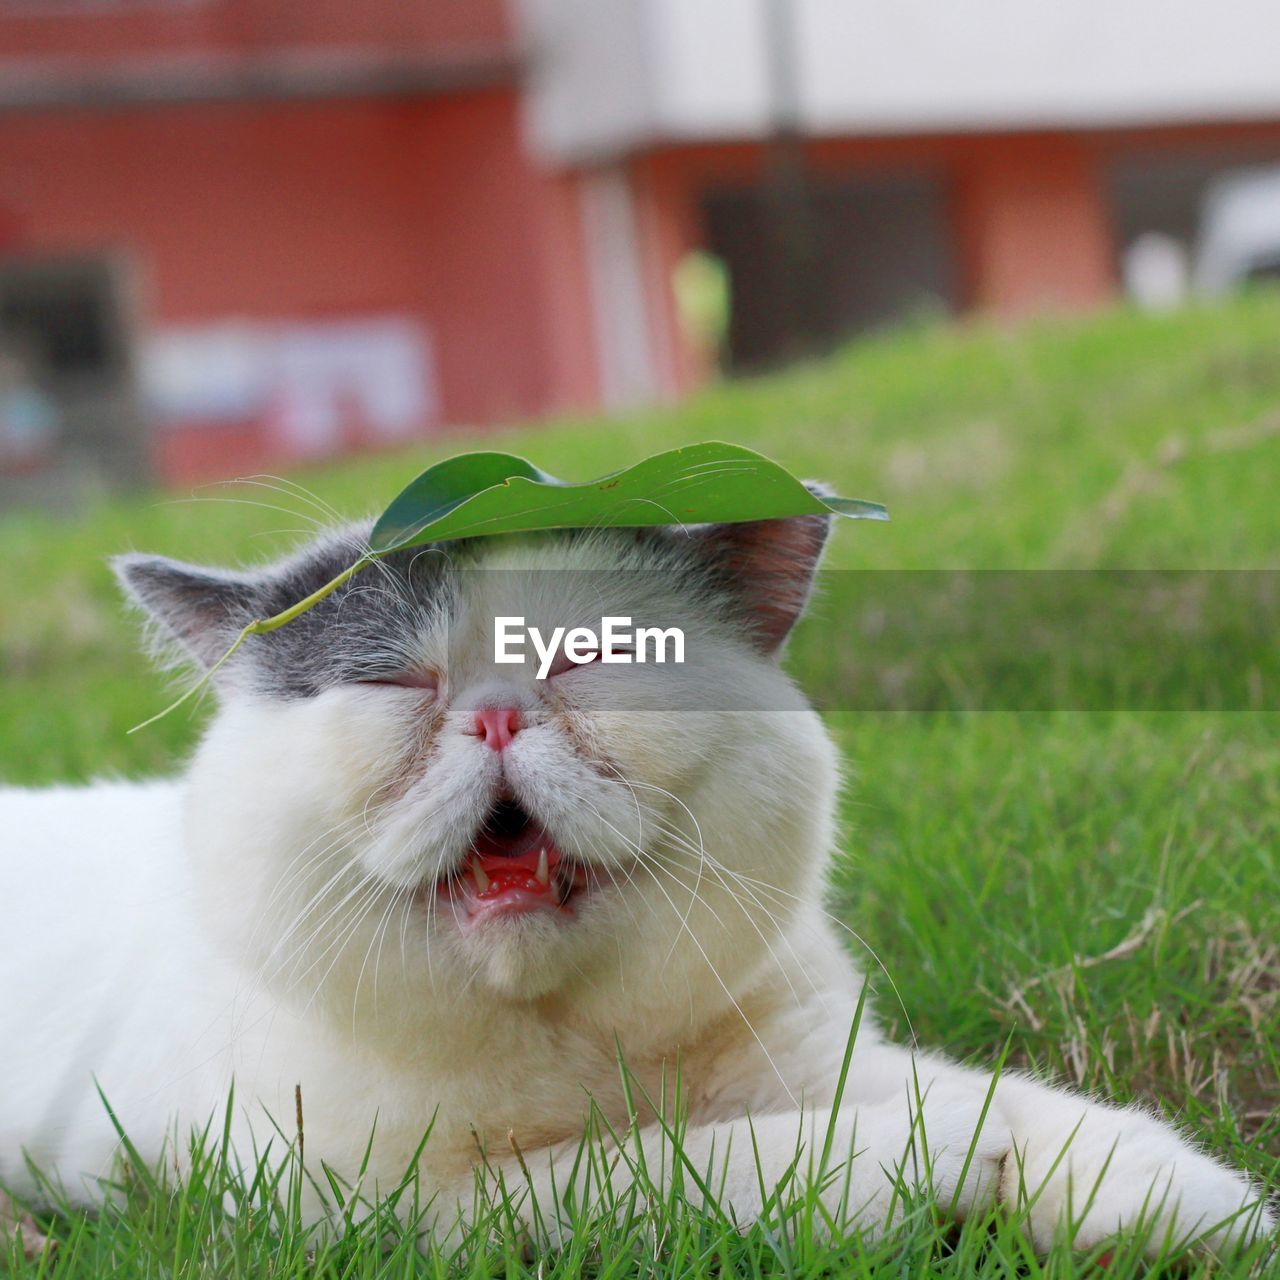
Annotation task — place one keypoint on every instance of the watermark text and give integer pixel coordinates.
(616, 642)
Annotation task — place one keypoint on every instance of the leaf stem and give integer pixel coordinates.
(263, 625)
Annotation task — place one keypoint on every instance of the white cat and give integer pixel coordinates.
(438, 892)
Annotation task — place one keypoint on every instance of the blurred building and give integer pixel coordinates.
(238, 233)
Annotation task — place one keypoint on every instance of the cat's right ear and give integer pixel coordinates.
(202, 609)
(769, 565)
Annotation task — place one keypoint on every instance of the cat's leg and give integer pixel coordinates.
(859, 1160)
(926, 1125)
(1099, 1167)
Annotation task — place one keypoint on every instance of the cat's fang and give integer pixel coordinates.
(495, 885)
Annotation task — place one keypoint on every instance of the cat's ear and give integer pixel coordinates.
(769, 566)
(202, 609)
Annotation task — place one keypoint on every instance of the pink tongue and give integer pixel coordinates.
(518, 872)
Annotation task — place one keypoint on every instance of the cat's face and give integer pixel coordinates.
(384, 817)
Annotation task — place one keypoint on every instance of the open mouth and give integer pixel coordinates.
(514, 868)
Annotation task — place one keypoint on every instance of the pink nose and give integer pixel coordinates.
(497, 726)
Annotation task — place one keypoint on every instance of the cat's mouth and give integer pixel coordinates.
(513, 868)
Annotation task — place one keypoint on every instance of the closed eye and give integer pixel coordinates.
(562, 662)
(417, 678)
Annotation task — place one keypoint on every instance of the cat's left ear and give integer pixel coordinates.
(770, 567)
(202, 609)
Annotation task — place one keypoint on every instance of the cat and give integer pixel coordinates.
(440, 893)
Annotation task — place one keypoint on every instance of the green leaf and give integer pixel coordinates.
(477, 494)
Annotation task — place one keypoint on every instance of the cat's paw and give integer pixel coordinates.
(1112, 1171)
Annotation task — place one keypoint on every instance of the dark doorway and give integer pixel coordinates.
(70, 416)
(856, 255)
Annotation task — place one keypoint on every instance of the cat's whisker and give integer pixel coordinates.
(733, 1000)
(378, 938)
(641, 855)
(751, 888)
(750, 916)
(295, 488)
(244, 502)
(702, 859)
(652, 867)
(631, 786)
(283, 531)
(304, 915)
(323, 520)
(791, 897)
(844, 927)
(329, 838)
(311, 916)
(364, 819)
(302, 942)
(365, 896)
(366, 907)
(780, 932)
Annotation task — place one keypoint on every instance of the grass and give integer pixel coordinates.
(1095, 887)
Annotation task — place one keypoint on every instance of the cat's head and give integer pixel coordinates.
(383, 817)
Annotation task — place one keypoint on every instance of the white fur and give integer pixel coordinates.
(256, 922)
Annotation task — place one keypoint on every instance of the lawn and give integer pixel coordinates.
(1094, 887)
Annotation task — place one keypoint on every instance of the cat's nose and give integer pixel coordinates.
(497, 725)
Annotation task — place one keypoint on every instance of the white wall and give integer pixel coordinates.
(609, 75)
(589, 84)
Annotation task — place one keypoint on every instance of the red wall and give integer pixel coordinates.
(1032, 230)
(304, 210)
(72, 34)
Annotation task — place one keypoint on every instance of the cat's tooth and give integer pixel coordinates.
(482, 880)
(543, 873)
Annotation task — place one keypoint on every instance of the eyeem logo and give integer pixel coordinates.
(614, 642)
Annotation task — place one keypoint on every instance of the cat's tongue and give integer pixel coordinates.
(530, 871)
(496, 884)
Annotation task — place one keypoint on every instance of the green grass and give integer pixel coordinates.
(1097, 888)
